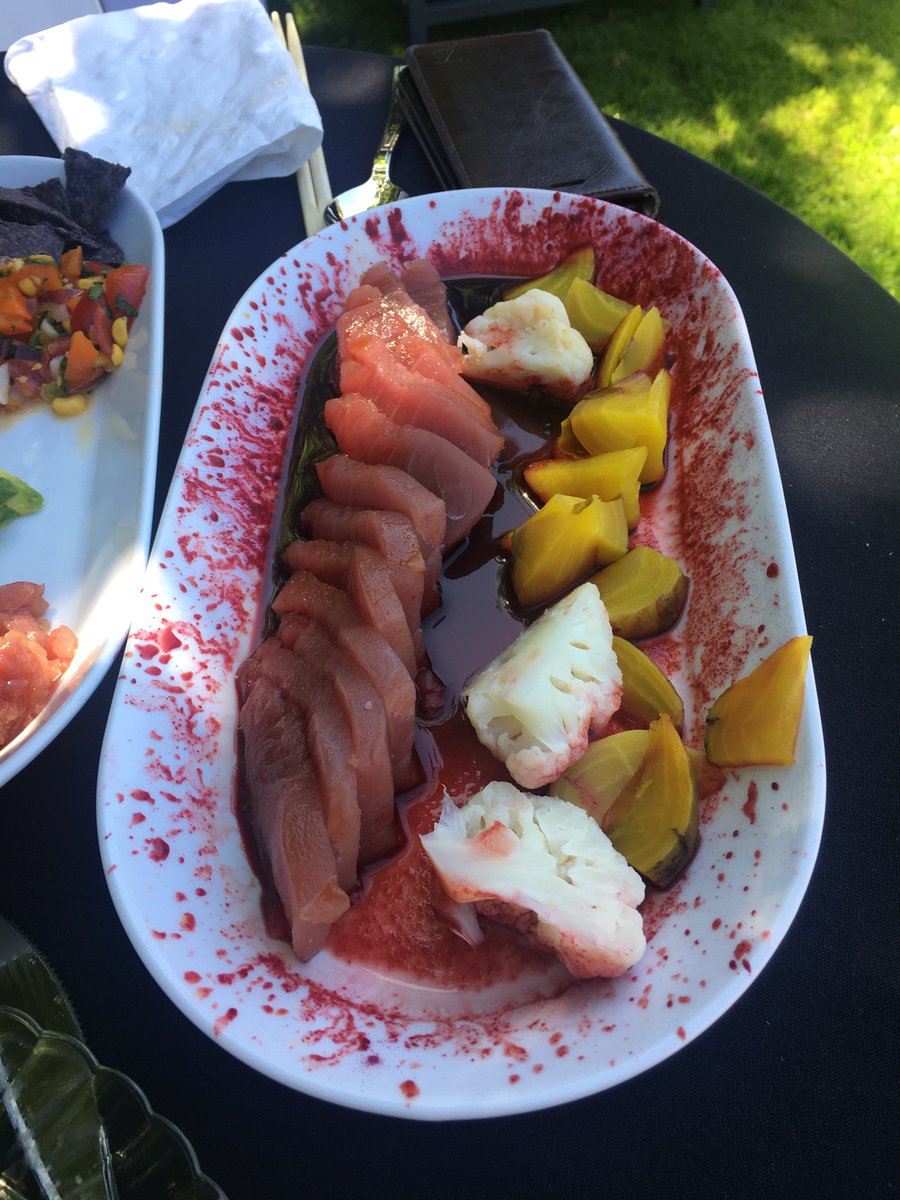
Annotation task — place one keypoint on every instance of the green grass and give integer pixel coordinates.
(799, 98)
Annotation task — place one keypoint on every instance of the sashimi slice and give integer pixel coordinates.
(426, 288)
(339, 616)
(402, 325)
(364, 433)
(365, 576)
(379, 834)
(287, 818)
(346, 481)
(328, 741)
(410, 399)
(390, 533)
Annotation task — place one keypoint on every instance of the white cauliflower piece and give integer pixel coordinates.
(536, 705)
(545, 866)
(528, 343)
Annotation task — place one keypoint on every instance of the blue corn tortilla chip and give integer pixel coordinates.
(18, 241)
(54, 216)
(92, 187)
(51, 192)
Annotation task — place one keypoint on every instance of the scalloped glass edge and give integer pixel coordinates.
(133, 1142)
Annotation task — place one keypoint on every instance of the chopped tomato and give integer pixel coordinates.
(44, 275)
(83, 364)
(16, 313)
(124, 288)
(92, 317)
(71, 263)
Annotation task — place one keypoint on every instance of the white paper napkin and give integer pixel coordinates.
(189, 95)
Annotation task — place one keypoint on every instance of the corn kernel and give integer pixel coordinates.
(41, 258)
(69, 406)
(28, 287)
(117, 355)
(88, 281)
(120, 331)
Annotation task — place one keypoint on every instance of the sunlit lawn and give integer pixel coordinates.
(800, 99)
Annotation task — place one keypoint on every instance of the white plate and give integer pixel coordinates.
(97, 473)
(170, 842)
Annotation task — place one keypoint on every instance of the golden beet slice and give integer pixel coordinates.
(608, 476)
(646, 692)
(581, 263)
(633, 412)
(597, 779)
(644, 593)
(617, 345)
(594, 313)
(755, 721)
(654, 821)
(644, 350)
(562, 542)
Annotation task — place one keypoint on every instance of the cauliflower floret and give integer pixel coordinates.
(536, 704)
(528, 343)
(545, 866)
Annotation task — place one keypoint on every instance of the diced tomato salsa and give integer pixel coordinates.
(64, 326)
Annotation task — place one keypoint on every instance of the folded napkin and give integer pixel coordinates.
(189, 95)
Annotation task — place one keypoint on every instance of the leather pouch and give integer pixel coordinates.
(508, 110)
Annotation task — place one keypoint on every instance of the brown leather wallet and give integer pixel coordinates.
(508, 110)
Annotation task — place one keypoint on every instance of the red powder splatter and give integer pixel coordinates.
(222, 1023)
(158, 849)
(748, 808)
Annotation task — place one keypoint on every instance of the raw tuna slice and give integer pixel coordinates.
(287, 819)
(339, 616)
(391, 534)
(426, 288)
(402, 325)
(328, 741)
(422, 284)
(379, 831)
(432, 366)
(410, 399)
(346, 481)
(366, 434)
(365, 576)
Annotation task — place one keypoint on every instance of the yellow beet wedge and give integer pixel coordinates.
(643, 351)
(608, 476)
(594, 313)
(617, 345)
(597, 779)
(654, 821)
(644, 592)
(755, 721)
(634, 412)
(646, 692)
(579, 264)
(562, 542)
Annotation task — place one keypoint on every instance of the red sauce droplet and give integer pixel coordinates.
(409, 1089)
(158, 849)
(772, 570)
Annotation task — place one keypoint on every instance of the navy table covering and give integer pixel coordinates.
(794, 1091)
